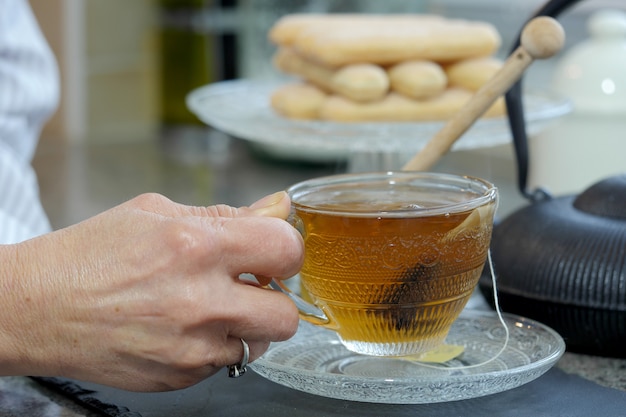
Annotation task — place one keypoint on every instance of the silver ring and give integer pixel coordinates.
(238, 369)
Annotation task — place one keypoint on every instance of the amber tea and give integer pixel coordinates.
(392, 258)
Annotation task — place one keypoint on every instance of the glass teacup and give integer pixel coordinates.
(391, 258)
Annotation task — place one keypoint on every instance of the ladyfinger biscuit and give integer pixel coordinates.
(399, 108)
(298, 101)
(287, 28)
(472, 73)
(289, 62)
(390, 41)
(417, 79)
(359, 82)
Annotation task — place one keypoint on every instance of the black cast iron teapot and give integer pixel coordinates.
(562, 261)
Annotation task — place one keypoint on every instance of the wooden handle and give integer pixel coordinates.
(541, 38)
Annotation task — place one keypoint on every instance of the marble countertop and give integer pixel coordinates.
(608, 372)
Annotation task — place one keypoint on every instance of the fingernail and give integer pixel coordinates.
(269, 200)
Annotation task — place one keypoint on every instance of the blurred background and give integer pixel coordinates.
(123, 128)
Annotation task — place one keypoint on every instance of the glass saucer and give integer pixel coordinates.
(315, 361)
(242, 108)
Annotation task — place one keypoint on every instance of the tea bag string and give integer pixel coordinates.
(500, 318)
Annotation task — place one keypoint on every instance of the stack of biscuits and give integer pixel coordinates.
(361, 68)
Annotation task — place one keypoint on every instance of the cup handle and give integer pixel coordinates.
(308, 311)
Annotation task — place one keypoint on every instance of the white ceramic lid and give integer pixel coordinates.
(593, 73)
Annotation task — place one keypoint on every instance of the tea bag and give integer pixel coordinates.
(471, 221)
(405, 319)
(440, 354)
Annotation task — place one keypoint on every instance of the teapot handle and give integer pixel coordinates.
(515, 111)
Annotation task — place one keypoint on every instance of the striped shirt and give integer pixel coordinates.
(29, 90)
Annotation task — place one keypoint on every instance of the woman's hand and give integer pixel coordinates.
(147, 296)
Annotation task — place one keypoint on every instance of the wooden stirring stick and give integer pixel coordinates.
(541, 38)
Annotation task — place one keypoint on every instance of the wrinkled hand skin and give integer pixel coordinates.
(147, 296)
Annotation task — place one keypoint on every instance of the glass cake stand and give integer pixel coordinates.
(241, 108)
